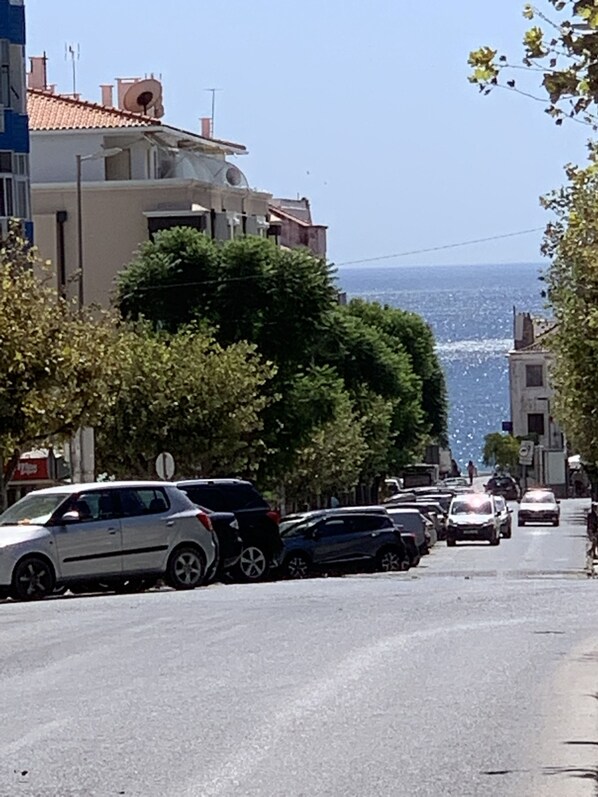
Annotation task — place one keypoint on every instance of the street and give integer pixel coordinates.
(474, 674)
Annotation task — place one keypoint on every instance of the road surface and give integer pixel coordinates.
(476, 674)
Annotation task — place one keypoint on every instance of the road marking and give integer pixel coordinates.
(31, 738)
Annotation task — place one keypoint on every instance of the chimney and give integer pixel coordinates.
(206, 127)
(107, 95)
(38, 76)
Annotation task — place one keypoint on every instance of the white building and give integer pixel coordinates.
(531, 394)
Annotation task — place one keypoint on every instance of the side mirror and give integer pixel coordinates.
(70, 517)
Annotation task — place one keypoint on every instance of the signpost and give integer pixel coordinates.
(526, 458)
(165, 466)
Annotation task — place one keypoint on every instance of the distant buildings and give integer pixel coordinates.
(14, 134)
(531, 394)
(136, 175)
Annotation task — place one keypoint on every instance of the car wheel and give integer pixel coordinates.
(495, 539)
(253, 564)
(521, 523)
(185, 568)
(32, 579)
(297, 566)
(389, 560)
(451, 542)
(508, 533)
(556, 522)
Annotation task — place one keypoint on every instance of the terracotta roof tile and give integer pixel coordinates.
(56, 112)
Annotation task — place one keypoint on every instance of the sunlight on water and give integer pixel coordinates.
(470, 309)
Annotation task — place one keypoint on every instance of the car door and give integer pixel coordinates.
(334, 539)
(92, 545)
(148, 523)
(369, 531)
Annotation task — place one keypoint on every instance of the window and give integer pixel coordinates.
(365, 523)
(5, 73)
(94, 505)
(206, 495)
(333, 527)
(534, 376)
(535, 423)
(6, 162)
(143, 501)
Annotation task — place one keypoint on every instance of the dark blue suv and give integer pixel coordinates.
(331, 538)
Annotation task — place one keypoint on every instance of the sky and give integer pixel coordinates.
(361, 105)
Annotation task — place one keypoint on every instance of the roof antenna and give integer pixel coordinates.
(73, 52)
(213, 93)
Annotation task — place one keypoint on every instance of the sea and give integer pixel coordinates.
(470, 310)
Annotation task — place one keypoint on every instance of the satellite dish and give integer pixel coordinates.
(143, 95)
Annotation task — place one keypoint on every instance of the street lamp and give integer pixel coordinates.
(102, 154)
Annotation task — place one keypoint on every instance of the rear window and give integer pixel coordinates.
(143, 501)
(411, 521)
(371, 522)
(225, 497)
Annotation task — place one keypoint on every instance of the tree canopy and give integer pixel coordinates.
(59, 366)
(501, 450)
(373, 365)
(560, 48)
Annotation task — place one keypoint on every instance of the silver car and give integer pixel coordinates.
(415, 523)
(124, 535)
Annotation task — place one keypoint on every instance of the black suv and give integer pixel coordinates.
(258, 523)
(505, 486)
(317, 540)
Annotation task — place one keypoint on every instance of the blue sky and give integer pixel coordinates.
(362, 105)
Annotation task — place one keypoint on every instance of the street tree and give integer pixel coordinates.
(501, 450)
(572, 283)
(560, 51)
(186, 394)
(58, 365)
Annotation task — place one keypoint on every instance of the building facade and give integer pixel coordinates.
(291, 225)
(531, 395)
(14, 132)
(107, 176)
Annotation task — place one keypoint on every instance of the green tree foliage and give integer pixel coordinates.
(501, 450)
(186, 394)
(378, 364)
(58, 365)
(572, 282)
(560, 48)
(409, 333)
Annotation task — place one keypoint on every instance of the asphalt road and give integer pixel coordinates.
(476, 674)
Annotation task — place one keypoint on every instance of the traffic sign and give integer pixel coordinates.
(165, 466)
(526, 452)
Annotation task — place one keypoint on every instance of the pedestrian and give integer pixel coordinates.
(334, 502)
(470, 471)
(592, 532)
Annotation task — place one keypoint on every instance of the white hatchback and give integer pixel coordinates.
(123, 535)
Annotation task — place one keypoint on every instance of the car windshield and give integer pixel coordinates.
(469, 507)
(32, 510)
(538, 498)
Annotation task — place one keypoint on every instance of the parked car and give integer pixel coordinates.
(503, 485)
(326, 538)
(415, 523)
(229, 544)
(432, 510)
(505, 519)
(115, 534)
(473, 517)
(539, 506)
(411, 548)
(258, 523)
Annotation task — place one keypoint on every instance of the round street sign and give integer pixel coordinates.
(165, 466)
(526, 452)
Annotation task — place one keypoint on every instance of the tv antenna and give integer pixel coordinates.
(72, 53)
(213, 114)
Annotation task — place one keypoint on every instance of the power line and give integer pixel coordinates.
(440, 248)
(250, 277)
